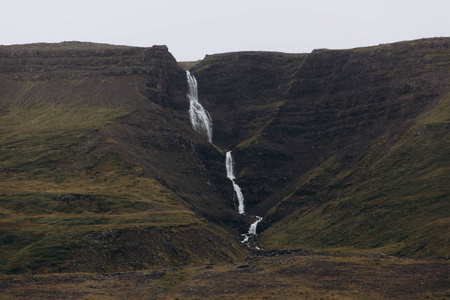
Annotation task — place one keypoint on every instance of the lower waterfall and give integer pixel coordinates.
(251, 231)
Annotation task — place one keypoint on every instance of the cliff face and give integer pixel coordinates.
(241, 91)
(300, 122)
(160, 78)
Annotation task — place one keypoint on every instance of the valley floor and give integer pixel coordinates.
(297, 274)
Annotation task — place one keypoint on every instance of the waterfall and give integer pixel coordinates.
(202, 124)
(251, 230)
(200, 118)
(230, 174)
(229, 164)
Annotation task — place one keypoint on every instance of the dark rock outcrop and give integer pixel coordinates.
(286, 113)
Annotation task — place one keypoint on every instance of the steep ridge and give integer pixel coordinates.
(97, 149)
(304, 123)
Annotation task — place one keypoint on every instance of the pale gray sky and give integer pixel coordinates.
(193, 28)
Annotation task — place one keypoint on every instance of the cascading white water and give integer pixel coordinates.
(251, 230)
(202, 124)
(230, 174)
(229, 163)
(200, 118)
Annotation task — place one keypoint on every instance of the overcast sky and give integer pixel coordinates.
(193, 28)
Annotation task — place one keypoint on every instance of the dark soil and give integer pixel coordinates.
(268, 275)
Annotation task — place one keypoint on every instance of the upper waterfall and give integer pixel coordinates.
(200, 118)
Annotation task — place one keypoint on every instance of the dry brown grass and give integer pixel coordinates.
(303, 275)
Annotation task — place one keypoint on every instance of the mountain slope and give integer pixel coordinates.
(329, 139)
(93, 141)
(394, 200)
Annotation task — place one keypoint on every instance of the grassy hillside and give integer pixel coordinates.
(59, 182)
(395, 200)
(77, 192)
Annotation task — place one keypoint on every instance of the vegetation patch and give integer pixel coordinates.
(392, 201)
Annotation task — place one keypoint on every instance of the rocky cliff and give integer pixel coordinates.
(302, 125)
